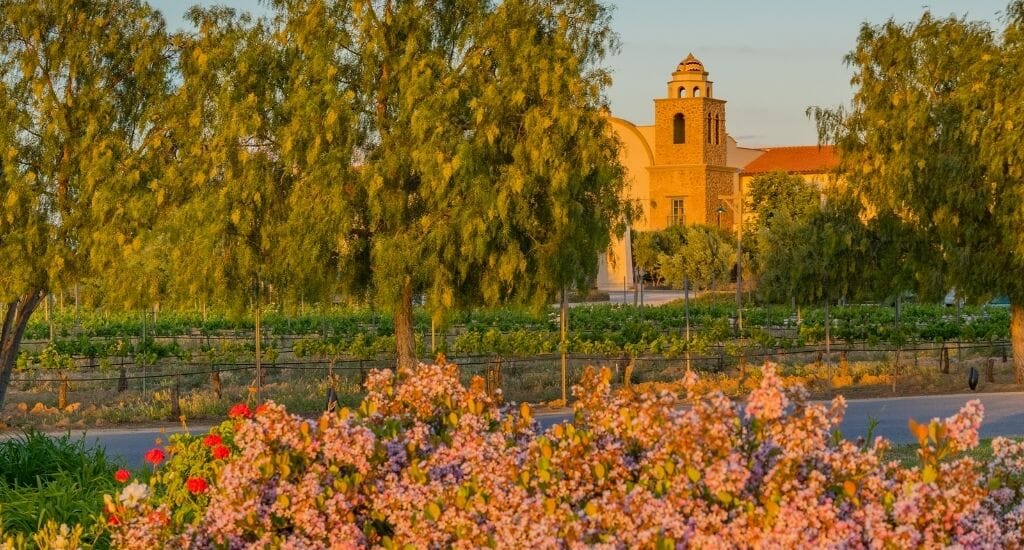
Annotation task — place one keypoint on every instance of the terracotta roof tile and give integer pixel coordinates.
(807, 159)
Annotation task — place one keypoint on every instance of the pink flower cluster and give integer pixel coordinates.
(429, 463)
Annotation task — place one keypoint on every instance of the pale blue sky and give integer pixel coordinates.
(770, 59)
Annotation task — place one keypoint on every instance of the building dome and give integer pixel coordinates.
(691, 65)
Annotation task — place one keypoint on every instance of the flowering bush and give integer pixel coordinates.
(427, 462)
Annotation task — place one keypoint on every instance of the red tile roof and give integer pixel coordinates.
(807, 159)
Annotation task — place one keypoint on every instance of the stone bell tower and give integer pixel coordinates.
(689, 173)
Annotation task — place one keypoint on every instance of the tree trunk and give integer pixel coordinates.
(405, 338)
(14, 323)
(62, 391)
(1017, 340)
(122, 378)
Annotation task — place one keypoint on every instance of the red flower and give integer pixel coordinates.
(260, 409)
(220, 451)
(122, 475)
(154, 456)
(196, 485)
(212, 440)
(240, 410)
(112, 520)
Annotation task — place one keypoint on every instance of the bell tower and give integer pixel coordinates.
(689, 122)
(689, 174)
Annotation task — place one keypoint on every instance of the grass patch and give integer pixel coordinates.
(906, 453)
(52, 478)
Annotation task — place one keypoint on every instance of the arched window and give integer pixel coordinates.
(696, 91)
(682, 92)
(708, 131)
(716, 129)
(679, 128)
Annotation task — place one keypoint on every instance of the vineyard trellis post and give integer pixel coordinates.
(828, 342)
(686, 306)
(564, 329)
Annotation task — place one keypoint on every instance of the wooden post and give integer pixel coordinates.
(990, 370)
(627, 374)
(62, 391)
(122, 378)
(686, 305)
(215, 381)
(564, 333)
(259, 358)
(828, 342)
(895, 370)
(176, 399)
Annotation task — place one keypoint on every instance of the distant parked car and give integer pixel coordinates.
(951, 299)
(999, 301)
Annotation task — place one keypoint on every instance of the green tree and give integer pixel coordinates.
(779, 203)
(779, 194)
(703, 255)
(82, 90)
(933, 135)
(650, 246)
(819, 257)
(263, 111)
(487, 170)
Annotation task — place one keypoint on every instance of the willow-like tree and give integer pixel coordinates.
(82, 87)
(488, 172)
(934, 136)
(262, 111)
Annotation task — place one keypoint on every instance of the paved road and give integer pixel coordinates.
(651, 297)
(1004, 415)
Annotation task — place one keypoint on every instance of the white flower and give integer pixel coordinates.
(133, 494)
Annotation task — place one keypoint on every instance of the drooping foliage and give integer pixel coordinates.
(932, 139)
(83, 89)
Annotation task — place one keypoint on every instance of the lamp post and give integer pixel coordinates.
(720, 211)
(735, 203)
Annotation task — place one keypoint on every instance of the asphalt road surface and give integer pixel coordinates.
(1004, 415)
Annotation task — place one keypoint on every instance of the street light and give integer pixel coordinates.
(735, 203)
(720, 211)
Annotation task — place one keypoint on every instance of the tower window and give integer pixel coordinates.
(682, 92)
(716, 129)
(679, 128)
(696, 91)
(708, 128)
